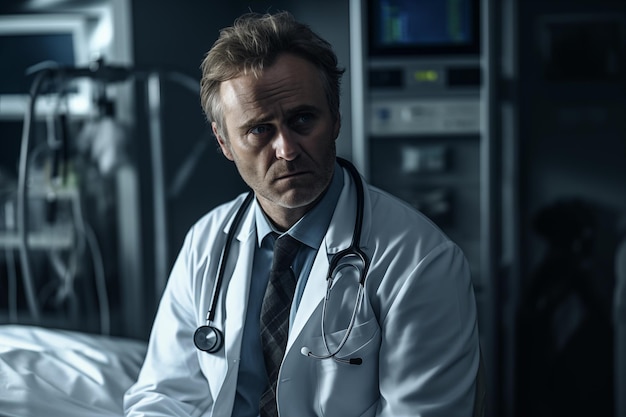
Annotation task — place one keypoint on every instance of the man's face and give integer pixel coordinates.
(281, 136)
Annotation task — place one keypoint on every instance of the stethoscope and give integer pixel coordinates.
(210, 339)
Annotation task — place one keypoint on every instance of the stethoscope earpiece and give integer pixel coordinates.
(208, 339)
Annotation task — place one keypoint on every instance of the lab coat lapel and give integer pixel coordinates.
(337, 238)
(237, 290)
(236, 284)
(314, 292)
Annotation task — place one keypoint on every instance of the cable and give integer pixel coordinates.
(9, 218)
(183, 80)
(100, 278)
(185, 170)
(84, 229)
(12, 290)
(22, 203)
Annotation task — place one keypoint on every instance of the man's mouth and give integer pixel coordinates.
(290, 175)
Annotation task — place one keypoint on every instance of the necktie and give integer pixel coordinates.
(275, 317)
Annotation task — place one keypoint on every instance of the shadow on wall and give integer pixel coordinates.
(565, 339)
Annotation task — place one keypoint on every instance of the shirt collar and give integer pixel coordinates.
(311, 228)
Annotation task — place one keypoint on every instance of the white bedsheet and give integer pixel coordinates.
(59, 373)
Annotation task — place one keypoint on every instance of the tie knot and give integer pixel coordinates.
(285, 250)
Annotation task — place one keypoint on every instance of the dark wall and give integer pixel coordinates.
(572, 102)
(175, 39)
(572, 141)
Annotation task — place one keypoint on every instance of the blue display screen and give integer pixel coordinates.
(423, 26)
(20, 52)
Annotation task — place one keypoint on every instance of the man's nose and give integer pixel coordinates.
(286, 145)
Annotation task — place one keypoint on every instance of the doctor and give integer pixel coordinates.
(393, 333)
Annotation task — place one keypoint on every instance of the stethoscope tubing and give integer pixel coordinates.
(209, 338)
(229, 240)
(357, 303)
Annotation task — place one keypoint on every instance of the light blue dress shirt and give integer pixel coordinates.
(310, 231)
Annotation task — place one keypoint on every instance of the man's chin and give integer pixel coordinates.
(298, 199)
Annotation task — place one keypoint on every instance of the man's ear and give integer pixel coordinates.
(224, 146)
(337, 126)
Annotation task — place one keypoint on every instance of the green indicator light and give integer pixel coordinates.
(426, 76)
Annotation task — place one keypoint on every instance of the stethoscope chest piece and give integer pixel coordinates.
(208, 339)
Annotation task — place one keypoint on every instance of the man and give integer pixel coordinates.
(405, 344)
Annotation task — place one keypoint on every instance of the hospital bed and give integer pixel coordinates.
(63, 373)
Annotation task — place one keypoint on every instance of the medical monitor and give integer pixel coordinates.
(28, 42)
(423, 27)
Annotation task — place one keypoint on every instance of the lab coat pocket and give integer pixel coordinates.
(347, 389)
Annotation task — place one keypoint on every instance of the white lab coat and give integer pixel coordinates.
(416, 331)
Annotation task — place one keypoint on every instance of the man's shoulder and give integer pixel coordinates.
(393, 219)
(389, 209)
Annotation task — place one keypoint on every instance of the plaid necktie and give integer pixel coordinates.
(275, 317)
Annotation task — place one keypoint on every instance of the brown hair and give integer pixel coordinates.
(255, 41)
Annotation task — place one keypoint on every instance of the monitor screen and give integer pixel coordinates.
(423, 27)
(31, 42)
(22, 51)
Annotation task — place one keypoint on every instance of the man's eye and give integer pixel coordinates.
(304, 118)
(260, 130)
(303, 122)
